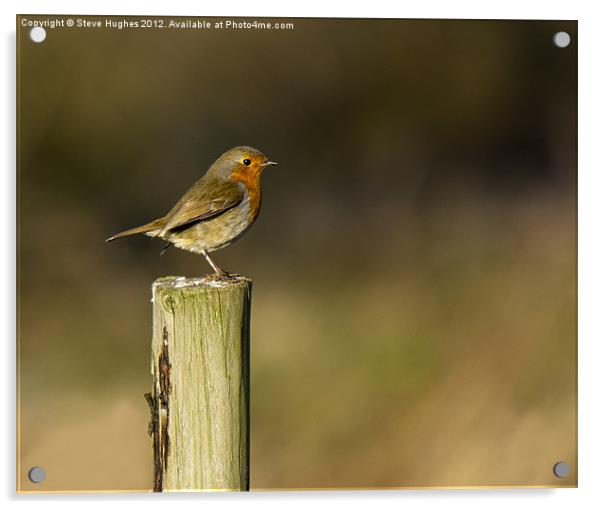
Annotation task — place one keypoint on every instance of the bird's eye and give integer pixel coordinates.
(246, 162)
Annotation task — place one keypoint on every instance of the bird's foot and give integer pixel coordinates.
(222, 275)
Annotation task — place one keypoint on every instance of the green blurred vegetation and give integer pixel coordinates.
(414, 264)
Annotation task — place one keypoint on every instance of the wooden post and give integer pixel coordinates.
(200, 397)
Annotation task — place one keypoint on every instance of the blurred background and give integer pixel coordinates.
(414, 264)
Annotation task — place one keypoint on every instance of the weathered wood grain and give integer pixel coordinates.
(200, 396)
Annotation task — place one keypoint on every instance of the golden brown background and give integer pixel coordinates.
(414, 265)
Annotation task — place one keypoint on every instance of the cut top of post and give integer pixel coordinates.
(205, 281)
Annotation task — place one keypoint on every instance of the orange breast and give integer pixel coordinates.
(251, 180)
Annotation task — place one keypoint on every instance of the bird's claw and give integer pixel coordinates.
(223, 275)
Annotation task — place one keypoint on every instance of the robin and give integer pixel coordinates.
(216, 210)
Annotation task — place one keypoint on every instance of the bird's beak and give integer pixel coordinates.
(268, 163)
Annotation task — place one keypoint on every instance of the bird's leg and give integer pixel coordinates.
(218, 272)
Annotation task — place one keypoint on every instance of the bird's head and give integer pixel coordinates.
(241, 164)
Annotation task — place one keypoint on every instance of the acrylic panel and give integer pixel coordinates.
(414, 317)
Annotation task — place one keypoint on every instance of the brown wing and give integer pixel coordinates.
(206, 199)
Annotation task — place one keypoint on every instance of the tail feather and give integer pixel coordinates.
(145, 228)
